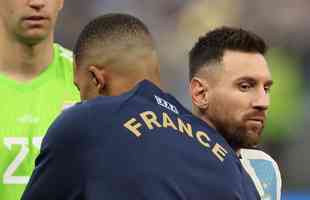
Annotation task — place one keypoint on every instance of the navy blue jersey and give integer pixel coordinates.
(142, 145)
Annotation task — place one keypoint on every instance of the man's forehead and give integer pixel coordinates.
(240, 64)
(232, 57)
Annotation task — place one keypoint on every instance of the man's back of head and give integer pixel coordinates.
(115, 51)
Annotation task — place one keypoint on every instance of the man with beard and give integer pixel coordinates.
(129, 139)
(229, 84)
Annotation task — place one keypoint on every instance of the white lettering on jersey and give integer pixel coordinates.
(166, 104)
(28, 119)
(8, 176)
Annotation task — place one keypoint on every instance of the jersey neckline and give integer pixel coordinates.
(37, 81)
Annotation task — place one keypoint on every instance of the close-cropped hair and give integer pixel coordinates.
(210, 48)
(111, 30)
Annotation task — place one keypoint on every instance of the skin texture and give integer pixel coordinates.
(233, 96)
(86, 81)
(29, 21)
(106, 80)
(26, 37)
(115, 68)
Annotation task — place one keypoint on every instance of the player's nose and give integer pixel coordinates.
(261, 101)
(37, 4)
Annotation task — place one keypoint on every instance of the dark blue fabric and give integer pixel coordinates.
(90, 153)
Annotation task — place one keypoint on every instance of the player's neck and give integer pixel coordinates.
(119, 86)
(202, 116)
(23, 62)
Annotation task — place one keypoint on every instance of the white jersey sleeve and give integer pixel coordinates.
(264, 172)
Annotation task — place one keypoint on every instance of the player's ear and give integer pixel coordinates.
(98, 77)
(199, 93)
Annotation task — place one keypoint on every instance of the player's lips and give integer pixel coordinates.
(257, 119)
(260, 119)
(35, 18)
(256, 116)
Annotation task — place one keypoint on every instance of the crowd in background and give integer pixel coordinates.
(177, 24)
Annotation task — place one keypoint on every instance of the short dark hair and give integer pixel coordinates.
(114, 27)
(210, 47)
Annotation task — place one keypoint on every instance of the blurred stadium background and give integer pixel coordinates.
(176, 25)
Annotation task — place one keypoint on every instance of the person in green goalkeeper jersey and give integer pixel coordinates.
(36, 83)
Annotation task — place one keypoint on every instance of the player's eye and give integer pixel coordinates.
(244, 87)
(267, 89)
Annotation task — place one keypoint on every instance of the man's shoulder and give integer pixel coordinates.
(63, 54)
(68, 127)
(259, 157)
(107, 104)
(62, 59)
(73, 114)
(264, 171)
(63, 63)
(256, 154)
